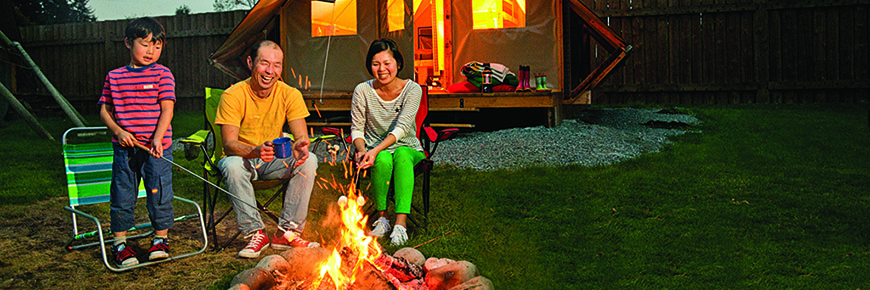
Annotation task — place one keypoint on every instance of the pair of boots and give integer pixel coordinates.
(524, 79)
(541, 81)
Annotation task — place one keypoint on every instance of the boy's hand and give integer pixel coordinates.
(300, 151)
(157, 148)
(125, 139)
(266, 151)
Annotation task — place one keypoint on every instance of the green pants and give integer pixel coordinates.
(400, 167)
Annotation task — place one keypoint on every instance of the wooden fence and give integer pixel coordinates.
(737, 51)
(76, 57)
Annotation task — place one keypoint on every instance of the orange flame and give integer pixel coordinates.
(353, 236)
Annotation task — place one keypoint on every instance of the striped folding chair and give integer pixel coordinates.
(87, 158)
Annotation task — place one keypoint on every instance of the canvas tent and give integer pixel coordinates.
(436, 38)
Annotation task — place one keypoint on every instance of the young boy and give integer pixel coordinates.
(136, 105)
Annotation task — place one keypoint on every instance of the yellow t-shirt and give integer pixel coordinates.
(260, 120)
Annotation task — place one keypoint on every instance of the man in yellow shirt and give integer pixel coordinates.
(251, 114)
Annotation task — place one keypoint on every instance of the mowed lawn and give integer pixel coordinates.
(759, 197)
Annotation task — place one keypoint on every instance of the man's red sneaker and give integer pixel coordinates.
(285, 240)
(258, 241)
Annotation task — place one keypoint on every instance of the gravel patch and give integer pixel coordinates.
(593, 137)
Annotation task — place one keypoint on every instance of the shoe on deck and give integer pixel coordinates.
(290, 239)
(258, 241)
(159, 249)
(124, 256)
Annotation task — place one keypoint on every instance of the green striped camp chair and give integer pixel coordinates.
(87, 158)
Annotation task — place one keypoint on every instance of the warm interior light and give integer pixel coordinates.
(495, 14)
(395, 15)
(439, 36)
(334, 19)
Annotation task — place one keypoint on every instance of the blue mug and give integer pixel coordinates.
(283, 147)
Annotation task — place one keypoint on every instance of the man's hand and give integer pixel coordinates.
(300, 150)
(266, 151)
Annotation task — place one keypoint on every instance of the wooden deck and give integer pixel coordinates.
(447, 102)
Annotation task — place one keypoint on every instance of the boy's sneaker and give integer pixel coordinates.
(380, 227)
(124, 256)
(258, 241)
(159, 249)
(286, 239)
(399, 236)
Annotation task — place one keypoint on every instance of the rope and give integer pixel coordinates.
(325, 61)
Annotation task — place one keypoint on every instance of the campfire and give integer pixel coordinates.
(356, 260)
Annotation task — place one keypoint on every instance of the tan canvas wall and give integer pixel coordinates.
(537, 45)
(345, 66)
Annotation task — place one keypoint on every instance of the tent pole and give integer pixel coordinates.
(64, 104)
(34, 124)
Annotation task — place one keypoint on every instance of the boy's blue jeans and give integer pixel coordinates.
(238, 173)
(131, 164)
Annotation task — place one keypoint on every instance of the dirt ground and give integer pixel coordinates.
(32, 254)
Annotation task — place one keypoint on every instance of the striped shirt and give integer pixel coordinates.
(136, 94)
(373, 119)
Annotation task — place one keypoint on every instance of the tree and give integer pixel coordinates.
(182, 10)
(43, 12)
(227, 5)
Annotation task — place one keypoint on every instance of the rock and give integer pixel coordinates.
(254, 278)
(476, 283)
(411, 255)
(277, 265)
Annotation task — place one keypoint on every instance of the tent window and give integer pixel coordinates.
(495, 14)
(395, 15)
(334, 19)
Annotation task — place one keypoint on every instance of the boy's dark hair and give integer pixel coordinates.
(384, 44)
(140, 28)
(255, 49)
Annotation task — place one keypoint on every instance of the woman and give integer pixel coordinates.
(384, 134)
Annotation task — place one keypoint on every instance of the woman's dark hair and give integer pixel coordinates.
(140, 28)
(382, 45)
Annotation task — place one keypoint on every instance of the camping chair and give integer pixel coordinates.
(87, 158)
(429, 139)
(209, 143)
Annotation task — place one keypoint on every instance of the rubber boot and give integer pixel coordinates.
(541, 81)
(526, 86)
(520, 78)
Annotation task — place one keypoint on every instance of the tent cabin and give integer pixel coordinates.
(325, 44)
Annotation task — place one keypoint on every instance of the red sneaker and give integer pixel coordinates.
(258, 241)
(285, 240)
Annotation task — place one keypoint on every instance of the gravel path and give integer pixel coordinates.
(593, 137)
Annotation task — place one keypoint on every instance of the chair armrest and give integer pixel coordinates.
(196, 138)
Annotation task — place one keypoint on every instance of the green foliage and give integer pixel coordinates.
(43, 12)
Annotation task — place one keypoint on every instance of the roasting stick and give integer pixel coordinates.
(143, 147)
(433, 239)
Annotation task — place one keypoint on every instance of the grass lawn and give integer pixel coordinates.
(764, 197)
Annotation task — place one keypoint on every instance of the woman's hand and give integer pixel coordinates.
(366, 159)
